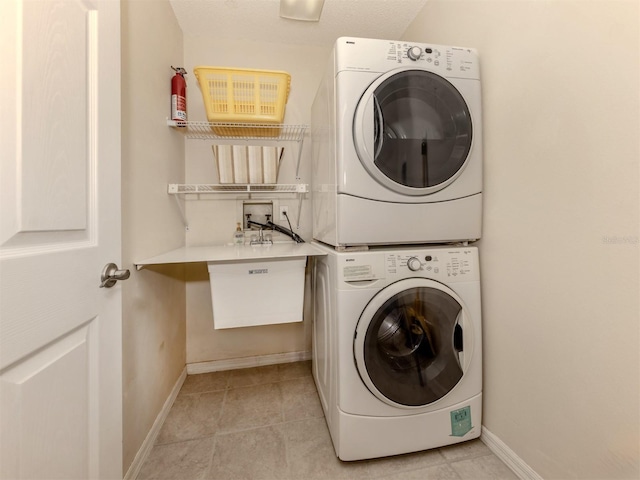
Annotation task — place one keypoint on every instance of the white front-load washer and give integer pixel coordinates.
(397, 144)
(397, 348)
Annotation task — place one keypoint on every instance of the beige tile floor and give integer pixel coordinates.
(267, 423)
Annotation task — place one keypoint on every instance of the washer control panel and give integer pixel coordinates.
(445, 264)
(454, 264)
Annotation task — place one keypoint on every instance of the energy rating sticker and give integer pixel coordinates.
(461, 422)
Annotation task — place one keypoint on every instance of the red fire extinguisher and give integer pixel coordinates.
(179, 95)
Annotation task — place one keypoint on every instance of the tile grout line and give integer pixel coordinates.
(284, 439)
(211, 456)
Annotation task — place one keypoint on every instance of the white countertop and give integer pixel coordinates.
(232, 253)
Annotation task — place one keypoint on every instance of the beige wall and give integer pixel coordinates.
(152, 156)
(560, 246)
(213, 220)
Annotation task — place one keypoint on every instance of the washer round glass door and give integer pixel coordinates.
(410, 343)
(412, 131)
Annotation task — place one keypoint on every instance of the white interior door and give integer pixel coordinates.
(60, 334)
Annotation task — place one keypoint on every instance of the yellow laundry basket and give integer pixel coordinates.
(239, 95)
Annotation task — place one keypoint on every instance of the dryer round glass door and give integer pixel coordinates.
(412, 131)
(411, 343)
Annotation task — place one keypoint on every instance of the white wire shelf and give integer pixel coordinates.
(177, 188)
(234, 132)
(237, 134)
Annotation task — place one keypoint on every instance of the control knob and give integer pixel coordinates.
(414, 53)
(414, 264)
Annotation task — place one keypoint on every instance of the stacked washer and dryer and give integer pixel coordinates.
(397, 196)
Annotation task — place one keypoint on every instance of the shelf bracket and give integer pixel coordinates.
(300, 145)
(299, 211)
(181, 207)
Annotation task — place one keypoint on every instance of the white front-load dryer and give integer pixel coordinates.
(397, 348)
(397, 145)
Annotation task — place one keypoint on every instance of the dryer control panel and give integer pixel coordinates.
(365, 54)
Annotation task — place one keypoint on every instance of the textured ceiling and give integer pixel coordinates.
(259, 20)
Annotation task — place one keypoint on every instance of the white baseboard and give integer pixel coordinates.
(246, 362)
(508, 456)
(150, 440)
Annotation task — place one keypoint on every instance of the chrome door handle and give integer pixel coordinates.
(111, 274)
